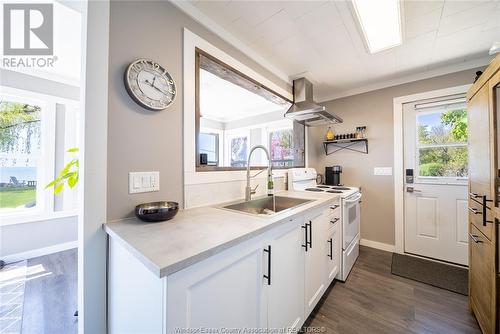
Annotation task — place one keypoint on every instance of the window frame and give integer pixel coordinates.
(217, 146)
(48, 105)
(419, 146)
(202, 168)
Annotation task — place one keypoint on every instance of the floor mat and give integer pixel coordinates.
(12, 287)
(438, 274)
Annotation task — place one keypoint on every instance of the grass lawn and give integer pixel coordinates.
(14, 197)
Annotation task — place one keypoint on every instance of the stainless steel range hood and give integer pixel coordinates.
(304, 110)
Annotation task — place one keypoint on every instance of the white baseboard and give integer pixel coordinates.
(40, 252)
(377, 245)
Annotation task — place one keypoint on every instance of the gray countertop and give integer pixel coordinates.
(196, 234)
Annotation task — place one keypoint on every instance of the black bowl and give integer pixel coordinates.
(156, 211)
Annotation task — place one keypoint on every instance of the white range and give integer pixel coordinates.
(304, 179)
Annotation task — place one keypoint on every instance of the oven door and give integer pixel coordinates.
(350, 219)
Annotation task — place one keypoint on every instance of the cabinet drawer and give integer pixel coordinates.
(482, 279)
(476, 216)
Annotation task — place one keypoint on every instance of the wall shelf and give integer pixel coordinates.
(346, 144)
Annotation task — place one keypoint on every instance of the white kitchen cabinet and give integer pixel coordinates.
(286, 292)
(315, 246)
(227, 290)
(334, 249)
(268, 282)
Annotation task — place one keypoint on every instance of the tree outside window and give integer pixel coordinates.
(442, 143)
(239, 151)
(20, 143)
(281, 148)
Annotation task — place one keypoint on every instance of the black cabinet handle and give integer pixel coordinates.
(334, 220)
(306, 244)
(474, 211)
(310, 235)
(268, 276)
(475, 238)
(334, 206)
(331, 249)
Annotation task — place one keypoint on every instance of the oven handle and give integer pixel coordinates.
(355, 199)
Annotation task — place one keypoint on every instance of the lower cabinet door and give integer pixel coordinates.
(227, 290)
(286, 292)
(315, 272)
(482, 280)
(333, 252)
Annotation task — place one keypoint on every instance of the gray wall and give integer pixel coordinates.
(375, 110)
(139, 140)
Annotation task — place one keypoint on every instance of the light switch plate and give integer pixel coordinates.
(143, 182)
(382, 171)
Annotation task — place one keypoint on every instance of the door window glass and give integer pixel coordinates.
(442, 142)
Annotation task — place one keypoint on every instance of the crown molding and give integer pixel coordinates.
(217, 29)
(466, 65)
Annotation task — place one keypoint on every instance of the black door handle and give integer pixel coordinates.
(305, 245)
(268, 276)
(331, 249)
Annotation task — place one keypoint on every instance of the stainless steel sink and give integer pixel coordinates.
(267, 205)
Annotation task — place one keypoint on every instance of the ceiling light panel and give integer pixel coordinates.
(380, 23)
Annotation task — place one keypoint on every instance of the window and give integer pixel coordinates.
(281, 148)
(442, 142)
(243, 113)
(239, 151)
(20, 154)
(209, 144)
(30, 157)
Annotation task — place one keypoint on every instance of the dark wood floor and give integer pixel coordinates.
(374, 301)
(50, 298)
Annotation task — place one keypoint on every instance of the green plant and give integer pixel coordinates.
(69, 174)
(432, 169)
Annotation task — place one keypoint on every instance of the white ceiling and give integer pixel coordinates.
(321, 40)
(238, 103)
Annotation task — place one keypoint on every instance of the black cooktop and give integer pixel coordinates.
(313, 189)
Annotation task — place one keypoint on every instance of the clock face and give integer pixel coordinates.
(149, 84)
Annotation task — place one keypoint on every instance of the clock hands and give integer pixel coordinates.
(152, 84)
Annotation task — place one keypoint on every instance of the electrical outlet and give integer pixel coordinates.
(143, 182)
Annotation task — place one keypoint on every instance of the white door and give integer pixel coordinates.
(227, 290)
(316, 227)
(435, 193)
(286, 291)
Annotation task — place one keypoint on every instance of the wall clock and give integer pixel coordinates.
(149, 84)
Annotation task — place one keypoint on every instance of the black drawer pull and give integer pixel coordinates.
(334, 220)
(305, 244)
(331, 249)
(334, 206)
(310, 235)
